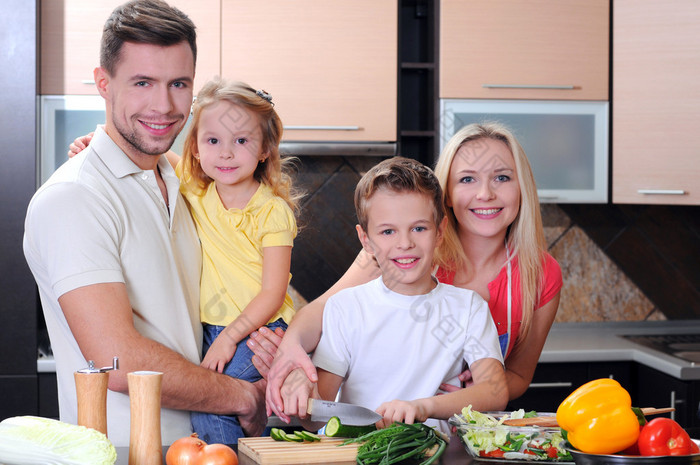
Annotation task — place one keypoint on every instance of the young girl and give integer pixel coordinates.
(243, 205)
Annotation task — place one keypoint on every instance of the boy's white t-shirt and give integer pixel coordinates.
(391, 346)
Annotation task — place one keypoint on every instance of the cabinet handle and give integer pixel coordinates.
(323, 128)
(526, 86)
(88, 81)
(550, 385)
(661, 191)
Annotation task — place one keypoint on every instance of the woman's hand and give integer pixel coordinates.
(465, 379)
(264, 344)
(290, 357)
(79, 144)
(296, 391)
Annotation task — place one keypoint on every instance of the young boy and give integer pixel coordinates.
(403, 334)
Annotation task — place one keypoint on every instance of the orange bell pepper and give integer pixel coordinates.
(598, 417)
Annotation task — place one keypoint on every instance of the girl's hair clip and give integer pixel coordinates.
(265, 95)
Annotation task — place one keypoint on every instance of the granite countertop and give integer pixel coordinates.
(603, 342)
(595, 342)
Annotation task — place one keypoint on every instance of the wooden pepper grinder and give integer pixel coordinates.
(91, 389)
(145, 446)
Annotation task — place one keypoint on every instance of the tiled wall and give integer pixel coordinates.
(630, 263)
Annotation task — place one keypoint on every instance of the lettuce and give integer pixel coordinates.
(28, 440)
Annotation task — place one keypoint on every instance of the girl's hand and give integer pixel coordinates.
(264, 344)
(295, 392)
(401, 410)
(219, 354)
(465, 377)
(79, 144)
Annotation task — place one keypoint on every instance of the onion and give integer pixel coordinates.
(185, 451)
(191, 450)
(218, 454)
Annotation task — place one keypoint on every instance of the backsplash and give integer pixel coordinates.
(619, 263)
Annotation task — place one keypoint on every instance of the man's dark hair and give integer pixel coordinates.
(145, 22)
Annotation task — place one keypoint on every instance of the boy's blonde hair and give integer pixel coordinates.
(524, 237)
(273, 171)
(398, 174)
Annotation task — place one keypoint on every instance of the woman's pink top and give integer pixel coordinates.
(498, 295)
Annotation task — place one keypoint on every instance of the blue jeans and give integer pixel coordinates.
(226, 429)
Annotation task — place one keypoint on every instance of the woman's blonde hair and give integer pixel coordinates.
(524, 237)
(273, 171)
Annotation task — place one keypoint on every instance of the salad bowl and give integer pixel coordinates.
(486, 437)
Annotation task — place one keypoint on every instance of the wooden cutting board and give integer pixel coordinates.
(267, 451)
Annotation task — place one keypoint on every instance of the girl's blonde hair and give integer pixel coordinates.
(273, 171)
(524, 237)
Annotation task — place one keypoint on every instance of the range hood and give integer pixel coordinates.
(300, 149)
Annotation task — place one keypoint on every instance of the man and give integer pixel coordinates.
(112, 245)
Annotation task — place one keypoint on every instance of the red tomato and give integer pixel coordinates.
(552, 453)
(663, 436)
(497, 453)
(694, 449)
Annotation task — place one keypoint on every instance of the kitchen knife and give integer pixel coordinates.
(349, 414)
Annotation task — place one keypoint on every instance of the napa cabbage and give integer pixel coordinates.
(29, 440)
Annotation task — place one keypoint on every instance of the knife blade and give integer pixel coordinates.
(349, 414)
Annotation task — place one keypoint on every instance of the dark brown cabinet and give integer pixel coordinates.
(648, 387)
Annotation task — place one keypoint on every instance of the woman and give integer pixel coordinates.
(494, 245)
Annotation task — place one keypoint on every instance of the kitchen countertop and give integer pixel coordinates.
(595, 342)
(603, 342)
(454, 454)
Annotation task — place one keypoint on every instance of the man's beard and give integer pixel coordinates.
(155, 148)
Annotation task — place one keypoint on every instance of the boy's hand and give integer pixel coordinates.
(414, 411)
(219, 354)
(295, 392)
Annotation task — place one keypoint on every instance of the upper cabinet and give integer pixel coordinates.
(656, 102)
(70, 42)
(331, 67)
(511, 49)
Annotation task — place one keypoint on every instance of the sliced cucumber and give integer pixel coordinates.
(308, 436)
(277, 434)
(335, 429)
(291, 437)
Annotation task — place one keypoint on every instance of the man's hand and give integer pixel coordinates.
(253, 423)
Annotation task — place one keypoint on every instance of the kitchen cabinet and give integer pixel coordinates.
(70, 42)
(656, 389)
(331, 67)
(553, 382)
(510, 49)
(656, 102)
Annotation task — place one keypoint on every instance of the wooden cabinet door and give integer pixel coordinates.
(656, 102)
(512, 49)
(331, 67)
(70, 42)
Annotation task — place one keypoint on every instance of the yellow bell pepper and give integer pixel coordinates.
(598, 417)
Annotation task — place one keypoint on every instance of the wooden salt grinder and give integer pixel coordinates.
(145, 447)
